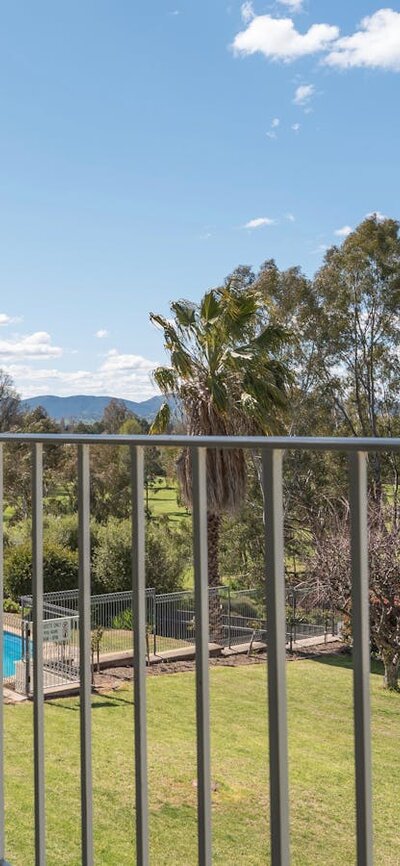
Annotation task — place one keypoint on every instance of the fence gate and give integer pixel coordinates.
(60, 650)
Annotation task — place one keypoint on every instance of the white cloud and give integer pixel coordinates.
(101, 333)
(343, 232)
(321, 248)
(259, 222)
(292, 5)
(380, 217)
(8, 320)
(37, 345)
(118, 375)
(116, 362)
(296, 127)
(376, 44)
(278, 39)
(247, 11)
(290, 217)
(304, 94)
(275, 123)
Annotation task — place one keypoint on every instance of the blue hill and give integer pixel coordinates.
(84, 407)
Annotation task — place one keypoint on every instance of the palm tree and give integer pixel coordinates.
(228, 380)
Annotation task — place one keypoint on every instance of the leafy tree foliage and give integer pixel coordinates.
(18, 461)
(10, 404)
(114, 415)
(167, 556)
(60, 569)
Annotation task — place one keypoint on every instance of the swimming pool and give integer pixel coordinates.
(12, 653)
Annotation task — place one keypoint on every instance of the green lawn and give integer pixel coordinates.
(321, 778)
(163, 501)
(120, 640)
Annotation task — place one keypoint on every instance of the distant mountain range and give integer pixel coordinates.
(88, 408)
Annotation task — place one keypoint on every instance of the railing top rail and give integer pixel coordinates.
(283, 443)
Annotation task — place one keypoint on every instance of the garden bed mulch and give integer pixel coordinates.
(114, 678)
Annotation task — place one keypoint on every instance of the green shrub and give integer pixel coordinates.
(60, 569)
(243, 607)
(314, 616)
(61, 530)
(10, 606)
(167, 556)
(123, 620)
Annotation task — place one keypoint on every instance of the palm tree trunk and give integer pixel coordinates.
(215, 611)
(213, 533)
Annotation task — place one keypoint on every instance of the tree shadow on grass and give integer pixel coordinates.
(108, 702)
(345, 661)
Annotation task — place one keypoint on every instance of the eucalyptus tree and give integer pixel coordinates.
(357, 294)
(228, 378)
(345, 352)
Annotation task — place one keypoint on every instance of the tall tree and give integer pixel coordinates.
(228, 377)
(10, 404)
(357, 296)
(17, 465)
(344, 356)
(114, 416)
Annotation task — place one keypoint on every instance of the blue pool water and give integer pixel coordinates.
(12, 653)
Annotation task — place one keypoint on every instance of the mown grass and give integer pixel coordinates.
(163, 501)
(321, 771)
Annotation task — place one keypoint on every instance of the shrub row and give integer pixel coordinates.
(167, 556)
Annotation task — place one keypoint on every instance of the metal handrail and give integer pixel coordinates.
(273, 443)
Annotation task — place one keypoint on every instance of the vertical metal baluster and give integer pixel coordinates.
(85, 655)
(2, 802)
(38, 685)
(2, 834)
(276, 655)
(361, 656)
(200, 552)
(139, 654)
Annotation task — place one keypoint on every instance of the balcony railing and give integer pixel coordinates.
(272, 450)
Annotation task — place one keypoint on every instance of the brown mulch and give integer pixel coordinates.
(114, 678)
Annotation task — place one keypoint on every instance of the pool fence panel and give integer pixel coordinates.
(236, 619)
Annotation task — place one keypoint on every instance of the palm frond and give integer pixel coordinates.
(218, 393)
(210, 308)
(271, 338)
(171, 336)
(161, 420)
(182, 361)
(166, 379)
(185, 313)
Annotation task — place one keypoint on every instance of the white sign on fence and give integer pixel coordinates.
(57, 630)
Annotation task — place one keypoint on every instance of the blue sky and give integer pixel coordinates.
(147, 149)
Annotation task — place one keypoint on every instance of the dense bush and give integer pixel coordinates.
(60, 569)
(61, 530)
(244, 607)
(167, 556)
(10, 606)
(57, 529)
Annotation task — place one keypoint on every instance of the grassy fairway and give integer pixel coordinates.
(321, 780)
(163, 501)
